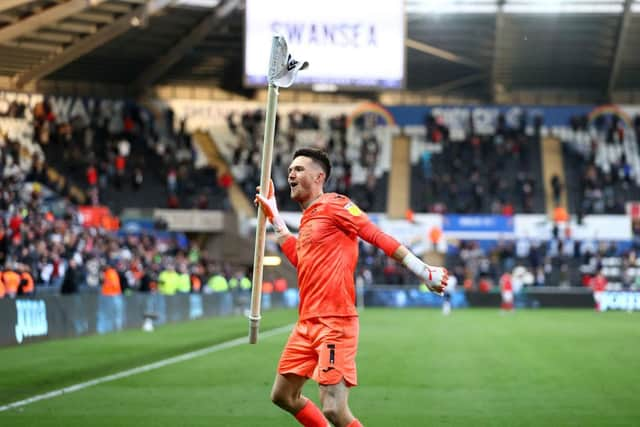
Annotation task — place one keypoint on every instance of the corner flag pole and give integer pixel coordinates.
(282, 72)
(265, 175)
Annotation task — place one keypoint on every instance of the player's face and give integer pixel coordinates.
(304, 179)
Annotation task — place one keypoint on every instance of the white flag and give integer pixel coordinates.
(283, 69)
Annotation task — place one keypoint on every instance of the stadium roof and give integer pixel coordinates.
(476, 47)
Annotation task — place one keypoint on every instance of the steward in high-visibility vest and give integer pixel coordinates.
(243, 283)
(168, 282)
(240, 281)
(183, 283)
(111, 282)
(218, 283)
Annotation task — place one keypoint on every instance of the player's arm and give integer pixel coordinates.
(286, 240)
(434, 277)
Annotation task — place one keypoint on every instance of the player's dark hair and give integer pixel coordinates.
(318, 156)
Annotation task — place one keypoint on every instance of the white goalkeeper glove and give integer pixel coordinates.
(270, 209)
(435, 278)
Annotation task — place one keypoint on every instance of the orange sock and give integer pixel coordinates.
(311, 416)
(355, 423)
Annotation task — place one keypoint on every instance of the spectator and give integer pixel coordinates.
(556, 187)
(27, 285)
(217, 282)
(72, 279)
(111, 285)
(598, 284)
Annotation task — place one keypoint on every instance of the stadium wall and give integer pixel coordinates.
(27, 320)
(48, 317)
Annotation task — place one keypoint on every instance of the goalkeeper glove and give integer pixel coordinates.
(270, 209)
(434, 277)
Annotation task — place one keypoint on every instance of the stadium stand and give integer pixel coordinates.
(360, 156)
(602, 161)
(475, 175)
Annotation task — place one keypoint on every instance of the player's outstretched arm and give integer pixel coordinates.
(270, 209)
(434, 277)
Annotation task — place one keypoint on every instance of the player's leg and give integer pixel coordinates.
(287, 392)
(297, 363)
(336, 371)
(335, 405)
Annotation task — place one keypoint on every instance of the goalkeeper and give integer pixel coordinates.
(324, 341)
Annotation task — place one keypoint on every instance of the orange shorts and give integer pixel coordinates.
(324, 349)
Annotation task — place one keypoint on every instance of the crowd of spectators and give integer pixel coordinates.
(599, 152)
(121, 153)
(44, 236)
(479, 265)
(44, 244)
(473, 175)
(354, 161)
(476, 174)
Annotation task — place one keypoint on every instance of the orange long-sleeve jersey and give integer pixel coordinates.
(326, 253)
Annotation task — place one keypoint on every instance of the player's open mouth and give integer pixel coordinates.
(293, 184)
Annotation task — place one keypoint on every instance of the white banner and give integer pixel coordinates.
(596, 227)
(629, 301)
(347, 43)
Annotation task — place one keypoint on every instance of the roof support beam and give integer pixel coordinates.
(89, 43)
(115, 8)
(10, 4)
(154, 71)
(96, 18)
(497, 52)
(441, 53)
(74, 27)
(48, 16)
(38, 46)
(51, 36)
(625, 22)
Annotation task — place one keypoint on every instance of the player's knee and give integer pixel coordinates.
(278, 398)
(282, 399)
(332, 413)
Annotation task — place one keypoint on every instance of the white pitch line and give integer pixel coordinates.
(145, 368)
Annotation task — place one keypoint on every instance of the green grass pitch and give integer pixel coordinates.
(476, 367)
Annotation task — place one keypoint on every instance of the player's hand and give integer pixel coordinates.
(435, 278)
(267, 204)
(270, 208)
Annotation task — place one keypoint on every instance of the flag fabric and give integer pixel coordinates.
(283, 69)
